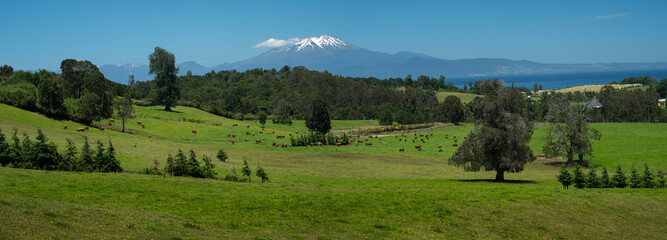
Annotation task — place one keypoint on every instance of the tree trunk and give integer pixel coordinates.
(570, 157)
(123, 119)
(581, 158)
(167, 108)
(500, 176)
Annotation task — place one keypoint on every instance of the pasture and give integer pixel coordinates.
(591, 88)
(326, 192)
(465, 97)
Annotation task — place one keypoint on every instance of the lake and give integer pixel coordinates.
(563, 80)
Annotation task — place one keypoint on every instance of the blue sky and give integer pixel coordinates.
(40, 34)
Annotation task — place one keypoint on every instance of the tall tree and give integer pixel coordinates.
(124, 109)
(162, 65)
(51, 97)
(246, 170)
(568, 132)
(5, 151)
(319, 120)
(500, 139)
(451, 110)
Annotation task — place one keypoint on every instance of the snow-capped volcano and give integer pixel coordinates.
(314, 43)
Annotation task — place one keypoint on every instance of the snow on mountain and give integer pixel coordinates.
(313, 43)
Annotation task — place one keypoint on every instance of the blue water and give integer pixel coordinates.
(563, 80)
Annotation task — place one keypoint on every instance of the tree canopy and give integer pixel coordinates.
(162, 65)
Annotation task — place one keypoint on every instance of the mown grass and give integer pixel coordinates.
(592, 88)
(324, 192)
(465, 97)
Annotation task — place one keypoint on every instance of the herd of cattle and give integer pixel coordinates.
(358, 139)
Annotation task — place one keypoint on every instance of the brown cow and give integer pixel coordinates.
(246, 139)
(85, 128)
(194, 131)
(280, 136)
(419, 149)
(138, 122)
(101, 128)
(232, 141)
(542, 155)
(247, 133)
(248, 126)
(65, 126)
(418, 146)
(258, 140)
(320, 144)
(455, 140)
(149, 136)
(440, 146)
(143, 126)
(80, 129)
(338, 144)
(111, 120)
(455, 145)
(233, 135)
(401, 149)
(368, 144)
(440, 150)
(384, 142)
(235, 124)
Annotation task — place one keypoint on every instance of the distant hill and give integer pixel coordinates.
(341, 58)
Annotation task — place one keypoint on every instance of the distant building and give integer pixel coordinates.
(594, 104)
(661, 102)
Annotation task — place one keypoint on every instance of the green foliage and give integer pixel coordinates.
(6, 70)
(451, 110)
(500, 139)
(319, 120)
(246, 170)
(564, 177)
(579, 178)
(569, 132)
(124, 109)
(619, 179)
(646, 80)
(647, 180)
(222, 155)
(70, 159)
(207, 170)
(51, 97)
(635, 179)
(660, 181)
(314, 139)
(261, 116)
(604, 179)
(283, 113)
(629, 105)
(260, 173)
(662, 88)
(86, 157)
(162, 65)
(180, 165)
(22, 94)
(386, 118)
(592, 180)
(5, 150)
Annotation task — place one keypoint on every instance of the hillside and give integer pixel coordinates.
(320, 192)
(465, 97)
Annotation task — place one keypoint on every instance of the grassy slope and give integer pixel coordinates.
(321, 192)
(465, 97)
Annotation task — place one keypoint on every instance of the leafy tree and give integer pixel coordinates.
(124, 109)
(162, 65)
(5, 150)
(86, 158)
(500, 139)
(451, 110)
(45, 153)
(246, 170)
(207, 170)
(660, 183)
(6, 70)
(111, 164)
(180, 164)
(568, 132)
(170, 168)
(662, 88)
(635, 180)
(50, 97)
(222, 156)
(579, 179)
(386, 118)
(592, 180)
(283, 114)
(619, 179)
(193, 168)
(260, 173)
(100, 157)
(319, 120)
(27, 154)
(604, 179)
(70, 159)
(262, 118)
(16, 153)
(647, 178)
(565, 177)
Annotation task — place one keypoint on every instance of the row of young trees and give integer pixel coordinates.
(42, 154)
(619, 180)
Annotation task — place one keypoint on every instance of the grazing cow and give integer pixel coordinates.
(248, 126)
(440, 150)
(280, 136)
(384, 142)
(297, 132)
(413, 141)
(258, 140)
(111, 120)
(80, 129)
(455, 140)
(419, 149)
(228, 135)
(143, 126)
(247, 139)
(284, 145)
(274, 144)
(138, 122)
(232, 141)
(101, 128)
(247, 133)
(455, 145)
(85, 128)
(65, 126)
(368, 144)
(440, 146)
(320, 144)
(421, 135)
(235, 124)
(542, 155)
(260, 132)
(418, 146)
(149, 136)
(194, 131)
(253, 133)
(233, 135)
(401, 149)
(338, 144)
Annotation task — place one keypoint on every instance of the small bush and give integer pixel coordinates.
(619, 179)
(635, 180)
(579, 179)
(565, 177)
(592, 180)
(647, 178)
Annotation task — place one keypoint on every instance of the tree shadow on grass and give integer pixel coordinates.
(494, 181)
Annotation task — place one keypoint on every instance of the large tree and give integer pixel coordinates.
(451, 110)
(568, 132)
(124, 109)
(319, 120)
(162, 65)
(500, 139)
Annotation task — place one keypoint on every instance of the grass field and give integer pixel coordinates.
(328, 192)
(592, 88)
(465, 97)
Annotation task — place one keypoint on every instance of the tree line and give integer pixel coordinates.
(619, 180)
(44, 155)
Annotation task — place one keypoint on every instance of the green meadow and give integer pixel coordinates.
(465, 97)
(327, 192)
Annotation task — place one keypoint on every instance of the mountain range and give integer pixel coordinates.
(341, 58)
